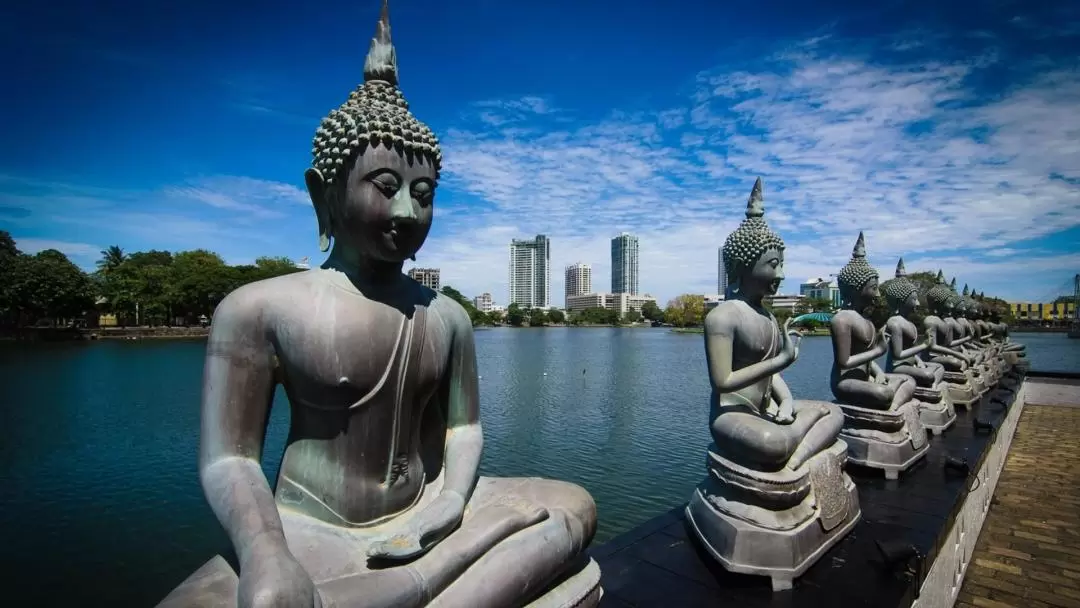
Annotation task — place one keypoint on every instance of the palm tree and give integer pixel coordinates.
(111, 258)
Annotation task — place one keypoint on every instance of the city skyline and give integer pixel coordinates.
(578, 281)
(940, 131)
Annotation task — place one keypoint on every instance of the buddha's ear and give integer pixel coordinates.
(318, 190)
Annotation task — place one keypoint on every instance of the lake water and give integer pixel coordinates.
(101, 499)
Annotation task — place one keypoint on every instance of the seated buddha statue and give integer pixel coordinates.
(939, 300)
(966, 313)
(378, 501)
(775, 496)
(935, 407)
(963, 342)
(882, 425)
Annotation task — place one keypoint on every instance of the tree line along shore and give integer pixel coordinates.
(165, 294)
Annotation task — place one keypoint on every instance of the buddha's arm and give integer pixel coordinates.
(896, 344)
(719, 338)
(841, 341)
(464, 439)
(238, 387)
(941, 350)
(960, 342)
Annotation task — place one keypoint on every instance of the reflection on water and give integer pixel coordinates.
(101, 496)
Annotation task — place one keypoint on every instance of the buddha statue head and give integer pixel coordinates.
(939, 297)
(375, 168)
(753, 253)
(857, 280)
(900, 292)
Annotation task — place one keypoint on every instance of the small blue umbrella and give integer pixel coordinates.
(820, 317)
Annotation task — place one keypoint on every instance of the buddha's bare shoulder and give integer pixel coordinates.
(448, 310)
(728, 315)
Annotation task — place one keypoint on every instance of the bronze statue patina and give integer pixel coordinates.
(378, 502)
(935, 406)
(882, 425)
(775, 496)
(939, 299)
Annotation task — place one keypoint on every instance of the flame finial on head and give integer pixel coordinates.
(381, 60)
(965, 292)
(940, 277)
(900, 270)
(952, 284)
(755, 205)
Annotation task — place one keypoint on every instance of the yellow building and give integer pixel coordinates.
(1038, 312)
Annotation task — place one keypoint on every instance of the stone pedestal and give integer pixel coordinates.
(890, 440)
(961, 392)
(774, 524)
(936, 410)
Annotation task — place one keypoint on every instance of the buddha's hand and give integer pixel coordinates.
(883, 335)
(430, 525)
(790, 346)
(786, 415)
(273, 578)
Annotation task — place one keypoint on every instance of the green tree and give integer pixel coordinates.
(111, 259)
(200, 279)
(687, 310)
(556, 316)
(537, 317)
(477, 316)
(651, 311)
(632, 316)
(10, 256)
(49, 286)
(514, 315)
(595, 316)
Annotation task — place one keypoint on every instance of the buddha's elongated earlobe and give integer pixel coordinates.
(317, 191)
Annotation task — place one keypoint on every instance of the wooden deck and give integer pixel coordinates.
(657, 564)
(1028, 554)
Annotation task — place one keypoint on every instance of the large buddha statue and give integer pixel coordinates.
(939, 299)
(882, 424)
(902, 357)
(378, 501)
(775, 496)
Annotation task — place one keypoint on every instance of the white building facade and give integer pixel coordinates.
(578, 281)
(530, 272)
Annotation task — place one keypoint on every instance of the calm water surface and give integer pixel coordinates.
(101, 500)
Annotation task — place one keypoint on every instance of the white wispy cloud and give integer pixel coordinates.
(31, 245)
(909, 150)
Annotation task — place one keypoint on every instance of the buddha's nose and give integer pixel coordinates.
(401, 207)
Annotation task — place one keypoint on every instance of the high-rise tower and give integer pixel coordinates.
(624, 264)
(578, 281)
(530, 272)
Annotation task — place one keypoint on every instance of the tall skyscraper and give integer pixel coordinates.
(530, 272)
(624, 264)
(721, 273)
(578, 281)
(428, 277)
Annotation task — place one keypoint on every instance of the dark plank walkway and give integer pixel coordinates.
(1028, 554)
(657, 564)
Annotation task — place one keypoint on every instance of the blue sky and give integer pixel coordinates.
(949, 135)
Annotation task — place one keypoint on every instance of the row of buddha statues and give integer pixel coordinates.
(378, 501)
(776, 495)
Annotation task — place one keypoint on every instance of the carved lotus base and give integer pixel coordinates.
(936, 410)
(890, 440)
(741, 520)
